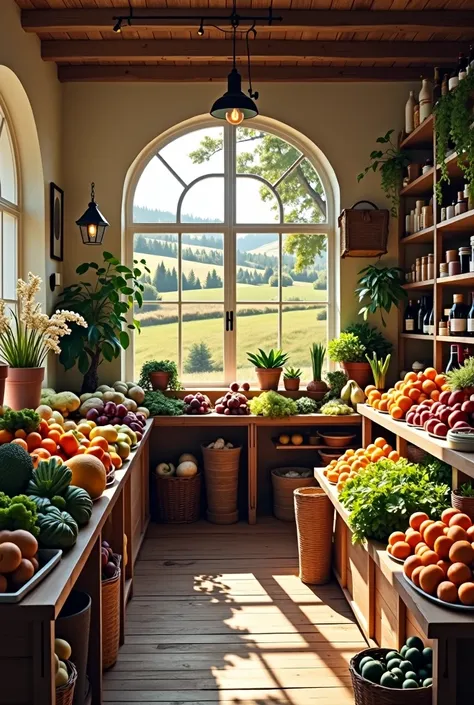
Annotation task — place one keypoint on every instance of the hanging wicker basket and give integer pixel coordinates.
(314, 523)
(111, 616)
(178, 499)
(364, 232)
(283, 488)
(65, 693)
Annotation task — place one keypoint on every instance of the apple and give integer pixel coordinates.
(456, 397)
(437, 404)
(456, 407)
(165, 470)
(410, 418)
(444, 397)
(424, 416)
(234, 387)
(468, 406)
(445, 414)
(188, 398)
(417, 420)
(456, 416)
(440, 409)
(246, 386)
(440, 430)
(431, 425)
(461, 426)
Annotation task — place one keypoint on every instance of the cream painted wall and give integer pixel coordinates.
(107, 125)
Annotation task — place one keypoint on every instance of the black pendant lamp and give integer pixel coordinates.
(92, 223)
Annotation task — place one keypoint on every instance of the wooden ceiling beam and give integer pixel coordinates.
(158, 50)
(89, 20)
(218, 73)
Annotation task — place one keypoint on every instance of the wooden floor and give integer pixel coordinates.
(219, 616)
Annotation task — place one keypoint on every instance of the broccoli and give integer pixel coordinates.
(18, 513)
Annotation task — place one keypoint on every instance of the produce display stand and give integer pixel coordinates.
(28, 628)
(386, 607)
(256, 435)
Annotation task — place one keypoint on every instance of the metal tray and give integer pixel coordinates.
(440, 603)
(48, 558)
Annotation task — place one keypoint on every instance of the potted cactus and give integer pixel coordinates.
(317, 386)
(268, 367)
(291, 379)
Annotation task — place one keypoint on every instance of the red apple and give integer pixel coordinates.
(468, 406)
(445, 414)
(410, 417)
(461, 426)
(456, 416)
(440, 430)
(444, 397)
(417, 420)
(456, 397)
(235, 386)
(431, 425)
(425, 416)
(245, 386)
(435, 406)
(457, 406)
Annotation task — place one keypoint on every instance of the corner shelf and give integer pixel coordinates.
(463, 223)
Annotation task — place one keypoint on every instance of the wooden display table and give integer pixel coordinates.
(28, 629)
(387, 608)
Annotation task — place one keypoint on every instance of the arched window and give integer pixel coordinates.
(220, 214)
(9, 213)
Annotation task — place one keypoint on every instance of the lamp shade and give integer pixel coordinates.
(92, 223)
(234, 99)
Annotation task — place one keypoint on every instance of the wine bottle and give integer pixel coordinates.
(421, 315)
(470, 319)
(453, 363)
(462, 66)
(445, 85)
(436, 85)
(431, 323)
(426, 319)
(458, 316)
(410, 318)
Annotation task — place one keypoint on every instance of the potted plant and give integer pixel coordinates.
(26, 338)
(383, 286)
(350, 353)
(317, 386)
(291, 379)
(379, 367)
(268, 367)
(371, 338)
(391, 162)
(159, 374)
(462, 378)
(463, 499)
(104, 304)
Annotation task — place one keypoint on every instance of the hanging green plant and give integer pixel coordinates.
(461, 129)
(442, 128)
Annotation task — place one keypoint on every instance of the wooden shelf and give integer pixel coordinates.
(416, 336)
(420, 237)
(329, 449)
(458, 280)
(463, 340)
(420, 186)
(463, 223)
(214, 419)
(413, 286)
(421, 137)
(454, 170)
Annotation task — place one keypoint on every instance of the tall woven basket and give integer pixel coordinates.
(178, 499)
(314, 522)
(367, 693)
(283, 488)
(111, 617)
(65, 693)
(221, 474)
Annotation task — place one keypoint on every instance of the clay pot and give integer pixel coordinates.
(360, 372)
(23, 387)
(318, 388)
(292, 384)
(159, 380)
(268, 378)
(3, 377)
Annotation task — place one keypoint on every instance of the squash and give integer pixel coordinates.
(78, 504)
(50, 478)
(88, 472)
(57, 529)
(42, 503)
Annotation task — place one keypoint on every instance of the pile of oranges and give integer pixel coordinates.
(348, 465)
(413, 389)
(438, 555)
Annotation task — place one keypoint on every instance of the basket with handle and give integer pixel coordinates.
(368, 693)
(364, 231)
(463, 504)
(111, 616)
(221, 474)
(65, 693)
(283, 488)
(178, 499)
(314, 523)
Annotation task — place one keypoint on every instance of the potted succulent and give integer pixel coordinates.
(317, 386)
(291, 379)
(159, 375)
(350, 353)
(268, 367)
(26, 338)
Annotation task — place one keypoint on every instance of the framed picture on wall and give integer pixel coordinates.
(56, 196)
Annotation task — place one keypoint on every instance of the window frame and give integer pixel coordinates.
(230, 229)
(6, 206)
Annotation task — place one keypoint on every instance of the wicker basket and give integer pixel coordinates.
(65, 693)
(463, 504)
(111, 617)
(364, 232)
(314, 522)
(367, 693)
(178, 499)
(415, 454)
(283, 488)
(221, 474)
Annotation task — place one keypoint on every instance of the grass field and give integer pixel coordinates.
(299, 330)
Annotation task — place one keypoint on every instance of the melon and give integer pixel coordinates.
(88, 472)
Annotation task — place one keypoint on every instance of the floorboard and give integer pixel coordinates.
(220, 616)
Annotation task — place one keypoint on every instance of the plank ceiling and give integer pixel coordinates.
(317, 39)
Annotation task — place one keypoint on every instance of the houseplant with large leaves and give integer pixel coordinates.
(379, 289)
(104, 303)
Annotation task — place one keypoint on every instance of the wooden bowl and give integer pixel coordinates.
(336, 440)
(327, 457)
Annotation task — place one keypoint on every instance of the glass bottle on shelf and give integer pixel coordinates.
(470, 319)
(421, 315)
(436, 85)
(450, 210)
(410, 318)
(416, 115)
(445, 85)
(453, 363)
(425, 99)
(426, 317)
(447, 311)
(431, 323)
(458, 316)
(409, 112)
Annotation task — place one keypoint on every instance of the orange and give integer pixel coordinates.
(104, 444)
(434, 396)
(387, 449)
(415, 576)
(448, 513)
(444, 565)
(383, 405)
(432, 532)
(466, 593)
(409, 377)
(394, 456)
(370, 388)
(430, 577)
(417, 385)
(442, 546)
(447, 591)
(422, 397)
(413, 538)
(5, 436)
(457, 533)
(430, 373)
(425, 525)
(376, 455)
(429, 558)
(461, 552)
(344, 467)
(370, 448)
(376, 403)
(414, 394)
(54, 435)
(421, 548)
(20, 442)
(360, 451)
(49, 445)
(421, 376)
(396, 536)
(21, 433)
(333, 476)
(461, 520)
(380, 442)
(398, 384)
(33, 441)
(401, 550)
(349, 452)
(459, 573)
(356, 466)
(410, 564)
(342, 477)
(405, 403)
(41, 453)
(396, 412)
(440, 380)
(428, 386)
(364, 462)
(375, 394)
(417, 519)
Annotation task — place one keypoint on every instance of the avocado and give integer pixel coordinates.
(363, 661)
(428, 655)
(406, 666)
(393, 654)
(373, 671)
(389, 680)
(16, 469)
(423, 674)
(410, 683)
(403, 651)
(414, 655)
(411, 676)
(427, 682)
(414, 642)
(393, 663)
(399, 673)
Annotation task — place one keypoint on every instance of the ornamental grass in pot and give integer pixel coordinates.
(317, 386)
(268, 367)
(350, 353)
(26, 337)
(292, 379)
(159, 375)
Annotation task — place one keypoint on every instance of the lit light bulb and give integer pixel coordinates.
(234, 116)
(92, 230)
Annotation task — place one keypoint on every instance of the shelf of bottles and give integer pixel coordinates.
(436, 240)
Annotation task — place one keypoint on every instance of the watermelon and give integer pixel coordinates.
(50, 478)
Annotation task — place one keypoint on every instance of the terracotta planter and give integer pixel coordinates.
(268, 379)
(292, 384)
(159, 380)
(23, 387)
(3, 377)
(360, 372)
(318, 388)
